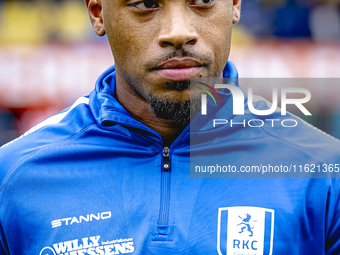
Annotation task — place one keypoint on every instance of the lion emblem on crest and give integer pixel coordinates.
(246, 224)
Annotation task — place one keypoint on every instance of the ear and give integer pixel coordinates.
(94, 8)
(236, 11)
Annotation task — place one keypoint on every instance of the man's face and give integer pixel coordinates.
(159, 45)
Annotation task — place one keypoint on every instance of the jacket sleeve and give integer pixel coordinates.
(333, 220)
(2, 250)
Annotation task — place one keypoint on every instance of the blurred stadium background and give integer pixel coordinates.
(49, 55)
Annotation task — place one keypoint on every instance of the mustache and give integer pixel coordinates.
(178, 54)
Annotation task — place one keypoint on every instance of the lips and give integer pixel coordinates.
(179, 69)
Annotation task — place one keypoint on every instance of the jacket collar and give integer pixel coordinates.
(108, 111)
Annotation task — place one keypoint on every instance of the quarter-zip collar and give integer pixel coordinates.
(108, 111)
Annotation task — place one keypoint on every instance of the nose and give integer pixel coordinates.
(177, 30)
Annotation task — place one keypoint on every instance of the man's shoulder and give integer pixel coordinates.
(292, 132)
(56, 129)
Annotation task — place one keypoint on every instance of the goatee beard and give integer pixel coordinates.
(180, 112)
(178, 85)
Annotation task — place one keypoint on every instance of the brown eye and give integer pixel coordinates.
(201, 2)
(148, 4)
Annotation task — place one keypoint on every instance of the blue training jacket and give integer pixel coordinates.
(91, 180)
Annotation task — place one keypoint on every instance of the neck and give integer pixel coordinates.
(140, 110)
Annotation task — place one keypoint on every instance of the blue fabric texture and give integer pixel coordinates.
(90, 180)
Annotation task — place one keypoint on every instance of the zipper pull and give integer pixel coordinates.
(166, 163)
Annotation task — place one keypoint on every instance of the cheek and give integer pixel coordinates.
(217, 37)
(222, 49)
(222, 38)
(128, 39)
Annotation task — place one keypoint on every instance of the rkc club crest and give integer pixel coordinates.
(245, 230)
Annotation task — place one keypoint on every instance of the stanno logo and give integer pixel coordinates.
(245, 230)
(239, 100)
(81, 219)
